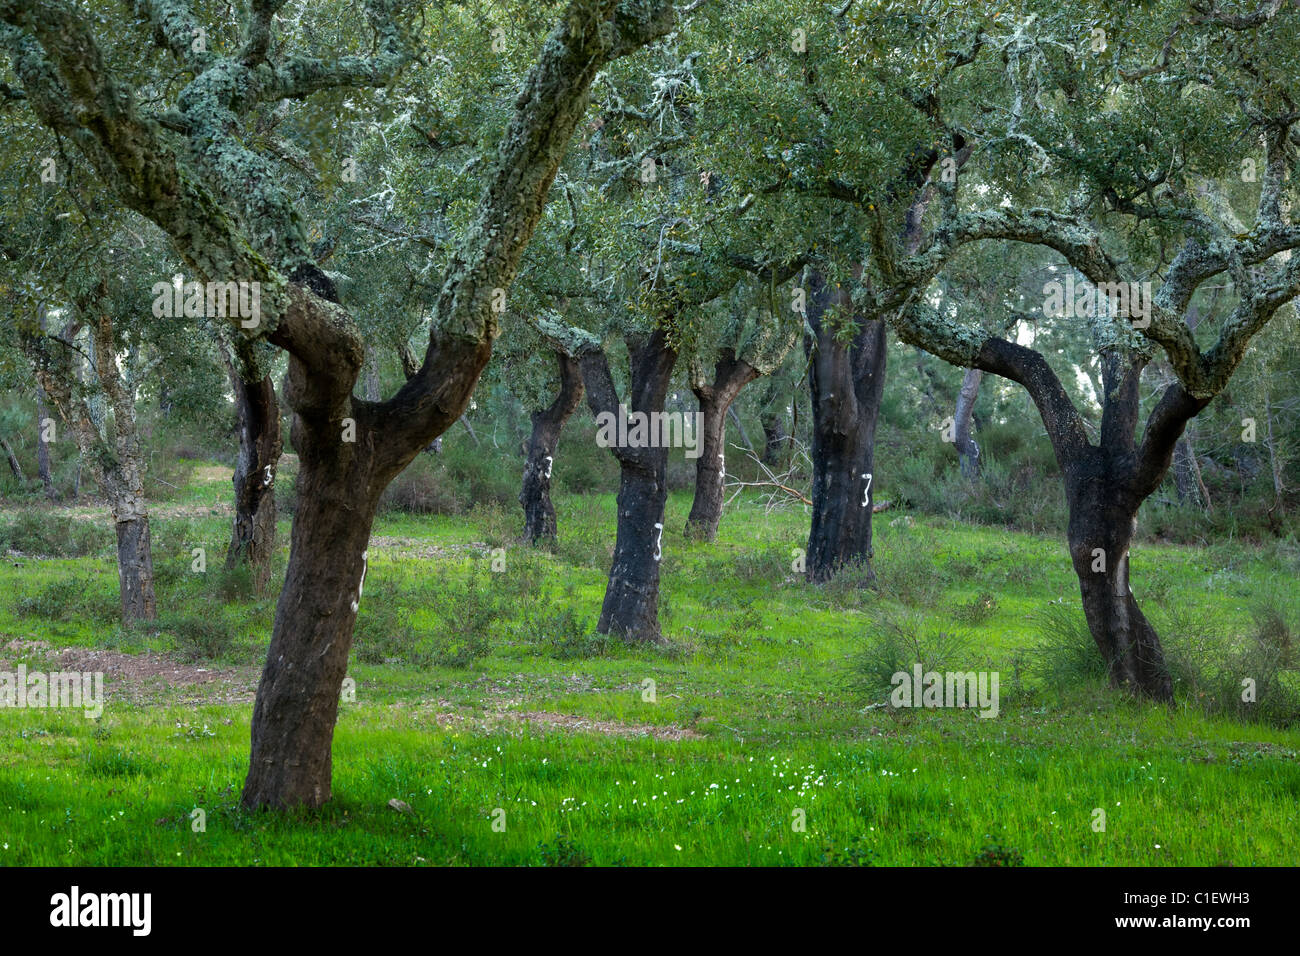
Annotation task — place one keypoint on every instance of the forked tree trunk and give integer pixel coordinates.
(535, 495)
(730, 376)
(846, 383)
(1105, 484)
(350, 449)
(631, 606)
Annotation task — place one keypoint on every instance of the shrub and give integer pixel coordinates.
(977, 611)
(72, 599)
(906, 571)
(383, 632)
(897, 642)
(469, 613)
(1210, 668)
(995, 854)
(45, 534)
(198, 637)
(1066, 658)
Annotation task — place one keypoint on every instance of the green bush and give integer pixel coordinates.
(1210, 667)
(896, 642)
(45, 534)
(1066, 658)
(198, 637)
(72, 599)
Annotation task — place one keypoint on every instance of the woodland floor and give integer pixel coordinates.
(478, 692)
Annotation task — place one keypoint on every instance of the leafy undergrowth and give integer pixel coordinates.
(509, 733)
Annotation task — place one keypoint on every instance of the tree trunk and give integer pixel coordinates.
(134, 564)
(1103, 518)
(535, 496)
(253, 534)
(740, 427)
(14, 465)
(42, 446)
(297, 700)
(115, 460)
(967, 450)
(846, 384)
(730, 376)
(775, 440)
(631, 606)
(43, 449)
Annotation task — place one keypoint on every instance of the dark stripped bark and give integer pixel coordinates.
(1105, 484)
(730, 375)
(846, 383)
(631, 606)
(967, 450)
(539, 462)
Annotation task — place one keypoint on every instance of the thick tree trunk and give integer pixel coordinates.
(1102, 522)
(967, 450)
(631, 606)
(298, 697)
(252, 537)
(846, 383)
(134, 564)
(730, 376)
(535, 496)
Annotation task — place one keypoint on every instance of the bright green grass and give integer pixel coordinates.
(760, 669)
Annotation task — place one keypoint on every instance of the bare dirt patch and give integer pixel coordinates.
(149, 677)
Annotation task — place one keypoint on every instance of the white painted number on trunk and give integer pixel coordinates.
(268, 476)
(365, 563)
(549, 463)
(866, 492)
(659, 539)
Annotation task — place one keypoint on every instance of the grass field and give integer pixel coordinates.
(484, 698)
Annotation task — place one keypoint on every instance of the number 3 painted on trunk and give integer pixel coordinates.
(549, 462)
(659, 538)
(866, 492)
